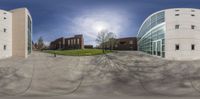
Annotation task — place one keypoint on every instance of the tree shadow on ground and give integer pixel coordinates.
(152, 76)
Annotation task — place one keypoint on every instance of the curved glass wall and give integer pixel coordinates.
(151, 36)
(151, 22)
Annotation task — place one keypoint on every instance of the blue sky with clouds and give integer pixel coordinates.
(57, 18)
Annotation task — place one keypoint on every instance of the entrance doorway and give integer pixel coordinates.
(157, 46)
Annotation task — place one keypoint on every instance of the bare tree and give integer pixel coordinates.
(102, 39)
(105, 38)
(40, 43)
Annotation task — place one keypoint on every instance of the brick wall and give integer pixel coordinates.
(75, 42)
(129, 43)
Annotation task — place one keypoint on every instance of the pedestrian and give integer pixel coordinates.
(54, 54)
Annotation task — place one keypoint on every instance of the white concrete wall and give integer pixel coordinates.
(16, 36)
(20, 32)
(5, 37)
(184, 36)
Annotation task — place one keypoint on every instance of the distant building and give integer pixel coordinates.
(128, 43)
(88, 46)
(76, 42)
(34, 46)
(15, 33)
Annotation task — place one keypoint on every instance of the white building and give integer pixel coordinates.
(172, 33)
(15, 33)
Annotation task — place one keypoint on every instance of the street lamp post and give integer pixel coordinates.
(55, 52)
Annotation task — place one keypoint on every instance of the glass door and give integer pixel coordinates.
(154, 48)
(157, 47)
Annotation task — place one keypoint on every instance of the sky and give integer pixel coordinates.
(65, 18)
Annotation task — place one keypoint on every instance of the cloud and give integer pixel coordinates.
(90, 22)
(46, 43)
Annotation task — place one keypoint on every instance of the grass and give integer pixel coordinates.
(80, 52)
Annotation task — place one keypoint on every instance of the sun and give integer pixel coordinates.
(99, 26)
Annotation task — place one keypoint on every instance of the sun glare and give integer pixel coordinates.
(99, 26)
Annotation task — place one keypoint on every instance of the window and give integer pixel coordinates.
(4, 18)
(177, 10)
(192, 15)
(177, 14)
(192, 10)
(177, 26)
(130, 42)
(4, 30)
(177, 47)
(4, 13)
(192, 47)
(59, 44)
(63, 41)
(78, 41)
(68, 42)
(4, 47)
(192, 26)
(74, 41)
(122, 43)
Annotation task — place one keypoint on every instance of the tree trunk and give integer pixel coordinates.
(103, 49)
(110, 45)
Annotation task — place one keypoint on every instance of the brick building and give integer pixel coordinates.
(129, 43)
(76, 42)
(88, 46)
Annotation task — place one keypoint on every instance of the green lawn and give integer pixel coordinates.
(82, 52)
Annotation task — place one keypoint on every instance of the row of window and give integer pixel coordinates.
(177, 10)
(73, 41)
(149, 42)
(4, 17)
(179, 14)
(178, 26)
(177, 47)
(156, 48)
(151, 22)
(4, 30)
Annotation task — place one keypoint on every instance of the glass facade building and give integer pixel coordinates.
(173, 34)
(151, 35)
